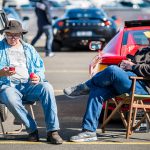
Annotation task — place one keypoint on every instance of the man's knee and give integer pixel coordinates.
(113, 69)
(10, 95)
(46, 86)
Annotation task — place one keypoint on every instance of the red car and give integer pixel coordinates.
(127, 41)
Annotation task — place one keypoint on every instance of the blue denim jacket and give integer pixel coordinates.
(34, 62)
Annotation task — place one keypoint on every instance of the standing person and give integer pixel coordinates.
(111, 82)
(44, 23)
(17, 85)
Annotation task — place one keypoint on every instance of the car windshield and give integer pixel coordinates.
(86, 13)
(136, 37)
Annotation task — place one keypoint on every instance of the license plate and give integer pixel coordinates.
(84, 33)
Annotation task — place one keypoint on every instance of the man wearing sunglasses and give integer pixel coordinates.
(22, 79)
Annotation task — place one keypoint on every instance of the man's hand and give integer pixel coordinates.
(126, 65)
(6, 72)
(34, 78)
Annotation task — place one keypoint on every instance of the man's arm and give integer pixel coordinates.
(142, 69)
(48, 11)
(6, 72)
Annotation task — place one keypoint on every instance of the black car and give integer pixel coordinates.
(79, 26)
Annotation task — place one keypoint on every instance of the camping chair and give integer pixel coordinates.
(2, 118)
(134, 102)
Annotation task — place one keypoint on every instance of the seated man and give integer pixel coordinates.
(26, 82)
(111, 82)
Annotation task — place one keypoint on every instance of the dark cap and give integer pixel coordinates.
(15, 27)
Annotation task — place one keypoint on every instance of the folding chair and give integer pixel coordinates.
(134, 102)
(2, 118)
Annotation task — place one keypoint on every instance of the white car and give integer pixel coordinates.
(80, 3)
(16, 3)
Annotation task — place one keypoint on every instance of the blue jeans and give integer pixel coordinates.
(47, 29)
(104, 85)
(13, 96)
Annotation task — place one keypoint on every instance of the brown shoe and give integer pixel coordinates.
(54, 138)
(34, 136)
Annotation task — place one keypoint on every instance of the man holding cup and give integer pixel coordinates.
(18, 61)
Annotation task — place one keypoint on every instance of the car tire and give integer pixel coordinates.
(3, 112)
(56, 46)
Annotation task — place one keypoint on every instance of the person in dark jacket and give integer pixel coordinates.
(111, 82)
(44, 23)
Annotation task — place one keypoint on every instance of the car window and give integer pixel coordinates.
(84, 13)
(112, 46)
(135, 37)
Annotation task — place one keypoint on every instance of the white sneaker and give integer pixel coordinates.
(78, 90)
(50, 54)
(84, 137)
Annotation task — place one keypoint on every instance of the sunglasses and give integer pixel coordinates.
(13, 36)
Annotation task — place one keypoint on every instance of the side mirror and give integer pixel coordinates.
(95, 45)
(3, 21)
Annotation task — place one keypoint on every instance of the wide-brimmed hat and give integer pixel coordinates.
(15, 27)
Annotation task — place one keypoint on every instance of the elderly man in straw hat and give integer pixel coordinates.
(22, 79)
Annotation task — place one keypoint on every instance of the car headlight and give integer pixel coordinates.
(55, 30)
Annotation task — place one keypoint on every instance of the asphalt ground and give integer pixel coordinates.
(66, 69)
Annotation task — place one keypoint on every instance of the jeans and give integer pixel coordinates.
(107, 84)
(49, 37)
(13, 96)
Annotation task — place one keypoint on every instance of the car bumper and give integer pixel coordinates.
(74, 39)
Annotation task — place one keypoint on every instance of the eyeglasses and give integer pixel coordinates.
(11, 36)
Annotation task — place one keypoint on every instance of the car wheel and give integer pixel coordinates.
(56, 46)
(3, 112)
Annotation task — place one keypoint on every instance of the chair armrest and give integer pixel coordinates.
(134, 79)
(138, 78)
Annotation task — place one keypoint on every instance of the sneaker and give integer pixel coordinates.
(34, 136)
(50, 54)
(54, 138)
(85, 136)
(79, 90)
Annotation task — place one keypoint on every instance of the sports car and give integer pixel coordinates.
(126, 42)
(79, 26)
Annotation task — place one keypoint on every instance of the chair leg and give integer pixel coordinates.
(2, 128)
(113, 113)
(16, 131)
(146, 113)
(134, 115)
(105, 115)
(32, 112)
(21, 127)
(128, 132)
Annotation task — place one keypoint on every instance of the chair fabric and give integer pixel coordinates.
(134, 102)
